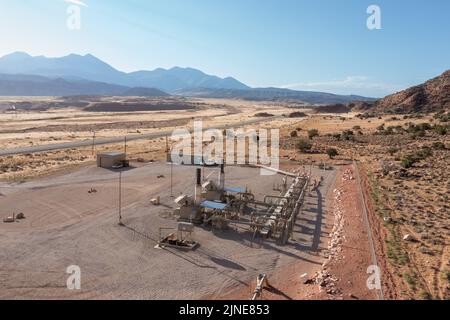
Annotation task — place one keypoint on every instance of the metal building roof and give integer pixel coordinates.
(213, 205)
(112, 154)
(235, 189)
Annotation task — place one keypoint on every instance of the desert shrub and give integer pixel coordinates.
(440, 130)
(442, 116)
(294, 134)
(418, 134)
(331, 152)
(392, 150)
(297, 114)
(423, 126)
(411, 127)
(348, 135)
(313, 133)
(410, 280)
(399, 129)
(337, 136)
(419, 129)
(425, 295)
(389, 130)
(395, 251)
(424, 153)
(356, 128)
(438, 146)
(304, 145)
(446, 275)
(348, 132)
(264, 115)
(408, 161)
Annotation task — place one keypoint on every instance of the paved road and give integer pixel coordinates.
(87, 143)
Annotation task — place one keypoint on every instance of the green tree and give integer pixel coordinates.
(304, 145)
(331, 152)
(313, 133)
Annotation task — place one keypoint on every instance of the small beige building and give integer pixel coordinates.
(109, 159)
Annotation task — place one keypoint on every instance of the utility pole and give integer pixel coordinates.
(125, 142)
(168, 150)
(167, 146)
(171, 179)
(93, 143)
(120, 198)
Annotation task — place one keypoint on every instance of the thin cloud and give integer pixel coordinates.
(348, 85)
(77, 2)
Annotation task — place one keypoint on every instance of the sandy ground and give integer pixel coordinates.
(65, 225)
(28, 128)
(54, 126)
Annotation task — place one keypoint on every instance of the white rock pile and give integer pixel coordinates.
(323, 278)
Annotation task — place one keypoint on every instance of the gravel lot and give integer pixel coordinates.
(65, 225)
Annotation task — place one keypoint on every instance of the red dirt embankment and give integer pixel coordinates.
(379, 234)
(344, 275)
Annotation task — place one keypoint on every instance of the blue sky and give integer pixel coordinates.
(313, 45)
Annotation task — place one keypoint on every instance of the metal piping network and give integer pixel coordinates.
(222, 177)
(277, 219)
(281, 221)
(198, 186)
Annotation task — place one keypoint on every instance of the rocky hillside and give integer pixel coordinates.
(433, 95)
(273, 94)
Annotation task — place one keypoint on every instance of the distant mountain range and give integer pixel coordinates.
(90, 68)
(22, 74)
(32, 85)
